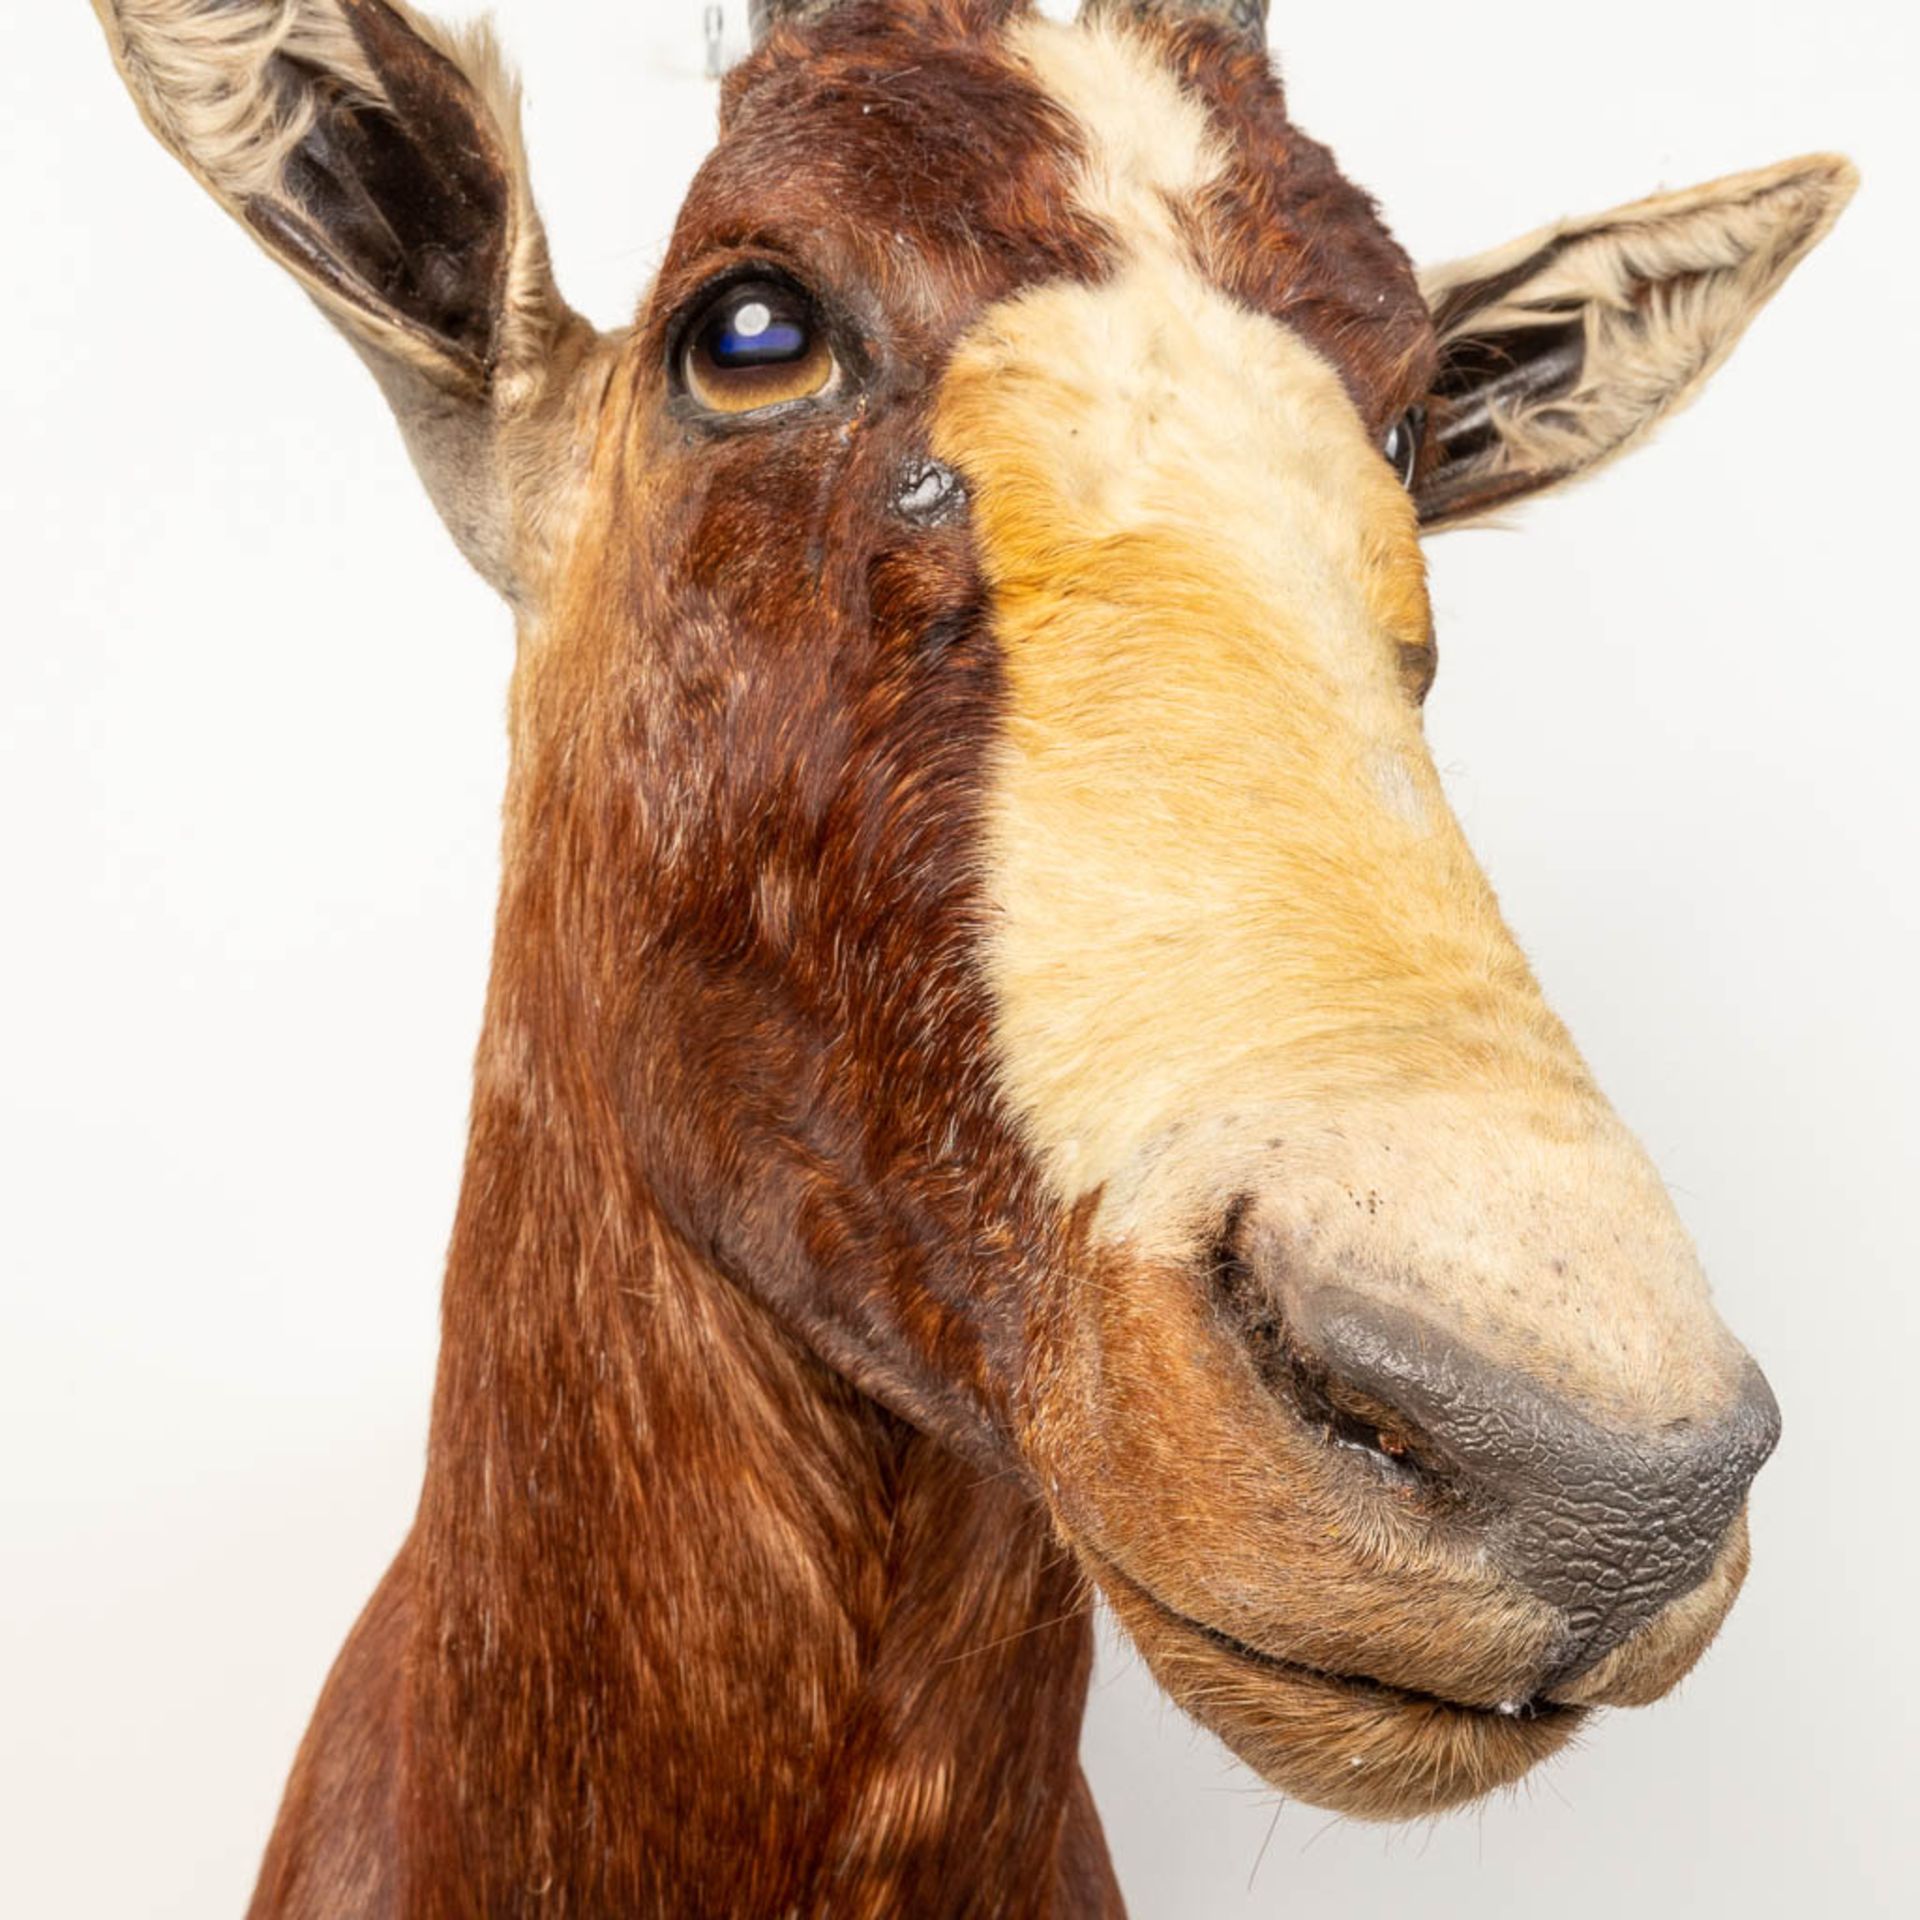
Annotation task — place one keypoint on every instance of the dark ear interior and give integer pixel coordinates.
(1564, 349)
(378, 158)
(1511, 370)
(400, 207)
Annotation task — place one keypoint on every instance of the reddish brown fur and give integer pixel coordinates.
(689, 1620)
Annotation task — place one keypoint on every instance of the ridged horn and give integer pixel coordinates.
(1246, 17)
(764, 15)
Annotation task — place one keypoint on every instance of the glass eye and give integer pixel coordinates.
(1402, 444)
(758, 344)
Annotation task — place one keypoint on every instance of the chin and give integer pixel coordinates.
(1345, 1742)
(1376, 1751)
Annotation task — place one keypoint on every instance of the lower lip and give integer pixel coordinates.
(1360, 1687)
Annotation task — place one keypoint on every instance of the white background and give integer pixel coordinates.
(250, 758)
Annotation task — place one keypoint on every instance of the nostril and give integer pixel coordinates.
(1346, 1416)
(1357, 1422)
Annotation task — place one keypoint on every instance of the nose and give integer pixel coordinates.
(1606, 1524)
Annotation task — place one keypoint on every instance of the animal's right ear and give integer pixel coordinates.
(1565, 349)
(378, 159)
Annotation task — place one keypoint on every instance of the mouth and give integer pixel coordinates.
(1344, 1741)
(1360, 1687)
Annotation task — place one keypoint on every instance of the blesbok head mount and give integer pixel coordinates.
(1001, 1078)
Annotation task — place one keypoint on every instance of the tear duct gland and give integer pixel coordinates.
(1001, 1075)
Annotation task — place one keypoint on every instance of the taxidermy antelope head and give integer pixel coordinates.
(1002, 1078)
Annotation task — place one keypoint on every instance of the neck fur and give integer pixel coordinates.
(696, 1626)
(687, 1622)
(717, 1632)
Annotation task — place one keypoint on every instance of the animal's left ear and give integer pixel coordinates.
(378, 159)
(1564, 349)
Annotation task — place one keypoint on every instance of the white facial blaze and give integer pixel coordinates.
(1204, 572)
(1216, 827)
(1240, 944)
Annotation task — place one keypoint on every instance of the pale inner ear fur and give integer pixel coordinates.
(200, 74)
(270, 103)
(211, 80)
(1565, 348)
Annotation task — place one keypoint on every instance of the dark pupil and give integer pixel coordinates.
(756, 330)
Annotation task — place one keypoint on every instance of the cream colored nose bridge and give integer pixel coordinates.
(1226, 880)
(1238, 947)
(1229, 894)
